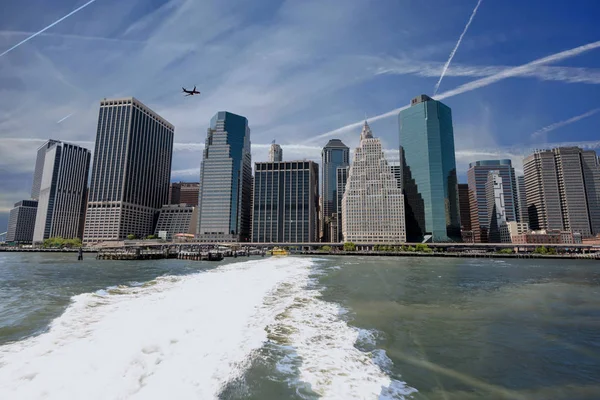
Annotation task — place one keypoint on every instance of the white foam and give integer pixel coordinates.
(331, 363)
(177, 337)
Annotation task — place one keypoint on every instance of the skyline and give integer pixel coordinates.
(274, 72)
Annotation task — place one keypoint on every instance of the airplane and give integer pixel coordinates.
(190, 92)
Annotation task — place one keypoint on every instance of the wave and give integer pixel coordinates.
(173, 337)
(327, 353)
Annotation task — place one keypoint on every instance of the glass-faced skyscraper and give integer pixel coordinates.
(429, 171)
(225, 201)
(334, 155)
(477, 176)
(131, 171)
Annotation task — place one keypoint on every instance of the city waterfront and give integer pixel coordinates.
(299, 327)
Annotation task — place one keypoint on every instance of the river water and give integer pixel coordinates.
(298, 328)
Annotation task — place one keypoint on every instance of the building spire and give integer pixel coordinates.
(366, 132)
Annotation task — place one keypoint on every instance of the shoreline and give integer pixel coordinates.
(576, 256)
(579, 256)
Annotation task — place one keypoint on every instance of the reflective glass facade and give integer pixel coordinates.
(224, 205)
(333, 156)
(477, 176)
(429, 171)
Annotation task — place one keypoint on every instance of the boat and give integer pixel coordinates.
(278, 251)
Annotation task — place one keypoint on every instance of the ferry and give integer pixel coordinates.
(278, 251)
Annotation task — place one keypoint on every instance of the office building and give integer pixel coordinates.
(522, 214)
(184, 193)
(275, 153)
(429, 171)
(131, 172)
(563, 187)
(464, 205)
(513, 228)
(336, 232)
(225, 201)
(175, 219)
(286, 202)
(397, 171)
(373, 205)
(333, 156)
(39, 168)
(21, 222)
(496, 205)
(477, 176)
(63, 192)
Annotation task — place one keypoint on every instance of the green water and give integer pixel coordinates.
(451, 328)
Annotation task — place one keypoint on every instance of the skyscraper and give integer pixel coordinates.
(397, 171)
(373, 205)
(21, 222)
(563, 188)
(184, 193)
(286, 202)
(429, 171)
(477, 176)
(334, 155)
(336, 232)
(465, 212)
(131, 171)
(523, 216)
(225, 201)
(275, 152)
(39, 168)
(496, 205)
(63, 192)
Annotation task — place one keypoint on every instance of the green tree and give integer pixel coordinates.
(151, 237)
(131, 236)
(541, 250)
(505, 251)
(423, 248)
(349, 246)
(326, 248)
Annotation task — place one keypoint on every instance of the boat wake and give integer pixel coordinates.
(189, 337)
(174, 337)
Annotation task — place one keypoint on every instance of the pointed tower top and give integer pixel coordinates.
(366, 132)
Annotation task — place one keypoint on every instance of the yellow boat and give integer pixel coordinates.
(278, 251)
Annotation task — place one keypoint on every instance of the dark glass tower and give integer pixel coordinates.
(429, 171)
(334, 155)
(225, 200)
(286, 202)
(131, 171)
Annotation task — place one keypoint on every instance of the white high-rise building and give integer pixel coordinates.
(62, 192)
(373, 205)
(275, 153)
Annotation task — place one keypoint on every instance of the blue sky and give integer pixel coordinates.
(299, 71)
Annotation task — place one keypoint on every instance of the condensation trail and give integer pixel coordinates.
(476, 84)
(48, 27)
(64, 118)
(437, 85)
(560, 124)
